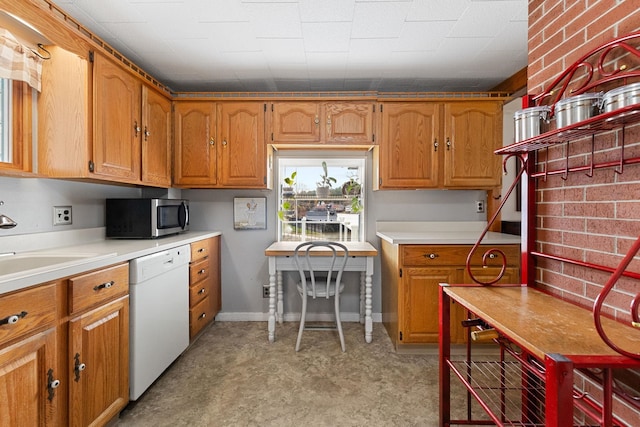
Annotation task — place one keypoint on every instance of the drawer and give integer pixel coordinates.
(200, 316)
(199, 271)
(98, 286)
(26, 311)
(432, 255)
(200, 250)
(198, 291)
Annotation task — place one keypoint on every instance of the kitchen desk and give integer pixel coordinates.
(281, 259)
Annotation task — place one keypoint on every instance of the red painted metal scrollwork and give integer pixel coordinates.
(494, 252)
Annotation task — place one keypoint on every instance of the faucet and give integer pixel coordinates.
(5, 221)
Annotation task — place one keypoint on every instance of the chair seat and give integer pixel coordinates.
(321, 290)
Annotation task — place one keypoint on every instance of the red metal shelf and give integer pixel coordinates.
(601, 123)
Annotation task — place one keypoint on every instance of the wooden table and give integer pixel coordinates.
(559, 335)
(280, 254)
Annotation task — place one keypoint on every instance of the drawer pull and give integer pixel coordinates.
(202, 316)
(105, 285)
(431, 255)
(493, 256)
(78, 366)
(202, 291)
(10, 320)
(52, 385)
(202, 271)
(200, 250)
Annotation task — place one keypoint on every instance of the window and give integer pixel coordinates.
(6, 144)
(307, 212)
(16, 103)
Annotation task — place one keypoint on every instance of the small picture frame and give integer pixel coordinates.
(249, 213)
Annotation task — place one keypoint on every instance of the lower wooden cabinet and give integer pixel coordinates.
(411, 275)
(99, 364)
(204, 284)
(64, 350)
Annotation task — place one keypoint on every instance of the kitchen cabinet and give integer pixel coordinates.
(29, 376)
(220, 145)
(439, 145)
(326, 122)
(204, 284)
(411, 275)
(64, 350)
(117, 126)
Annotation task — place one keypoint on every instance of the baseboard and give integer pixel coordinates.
(292, 317)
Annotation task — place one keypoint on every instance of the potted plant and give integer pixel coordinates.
(287, 191)
(324, 185)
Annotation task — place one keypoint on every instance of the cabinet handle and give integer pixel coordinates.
(52, 384)
(78, 366)
(136, 128)
(317, 121)
(493, 256)
(202, 271)
(224, 142)
(448, 144)
(202, 291)
(147, 134)
(435, 144)
(212, 141)
(105, 285)
(431, 255)
(200, 250)
(202, 316)
(10, 320)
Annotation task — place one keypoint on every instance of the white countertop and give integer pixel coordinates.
(440, 232)
(103, 252)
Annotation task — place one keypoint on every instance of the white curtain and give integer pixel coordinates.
(19, 62)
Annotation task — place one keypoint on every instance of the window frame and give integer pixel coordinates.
(315, 158)
(21, 130)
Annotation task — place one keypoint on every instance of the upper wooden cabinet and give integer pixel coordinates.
(333, 122)
(118, 127)
(440, 145)
(472, 132)
(220, 145)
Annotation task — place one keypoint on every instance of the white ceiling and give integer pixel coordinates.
(315, 45)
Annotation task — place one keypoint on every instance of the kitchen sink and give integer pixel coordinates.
(32, 262)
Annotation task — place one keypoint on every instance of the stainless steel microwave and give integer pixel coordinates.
(146, 218)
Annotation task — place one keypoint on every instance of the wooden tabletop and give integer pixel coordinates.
(543, 324)
(355, 249)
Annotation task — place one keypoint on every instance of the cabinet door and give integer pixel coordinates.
(242, 147)
(295, 122)
(195, 144)
(156, 139)
(409, 146)
(24, 378)
(99, 364)
(117, 122)
(418, 299)
(472, 131)
(349, 122)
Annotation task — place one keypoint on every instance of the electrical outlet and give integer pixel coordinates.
(479, 206)
(62, 215)
(265, 291)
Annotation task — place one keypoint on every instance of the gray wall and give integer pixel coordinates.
(29, 202)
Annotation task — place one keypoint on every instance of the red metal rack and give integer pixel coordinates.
(542, 341)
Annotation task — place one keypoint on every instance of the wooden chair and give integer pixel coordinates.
(322, 279)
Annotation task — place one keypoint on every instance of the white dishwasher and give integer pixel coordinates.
(158, 314)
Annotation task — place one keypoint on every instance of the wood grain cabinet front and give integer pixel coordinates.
(118, 127)
(412, 275)
(324, 122)
(204, 284)
(439, 145)
(220, 145)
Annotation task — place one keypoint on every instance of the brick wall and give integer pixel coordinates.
(590, 219)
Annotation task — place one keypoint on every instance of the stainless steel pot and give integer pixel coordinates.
(530, 122)
(621, 97)
(577, 108)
